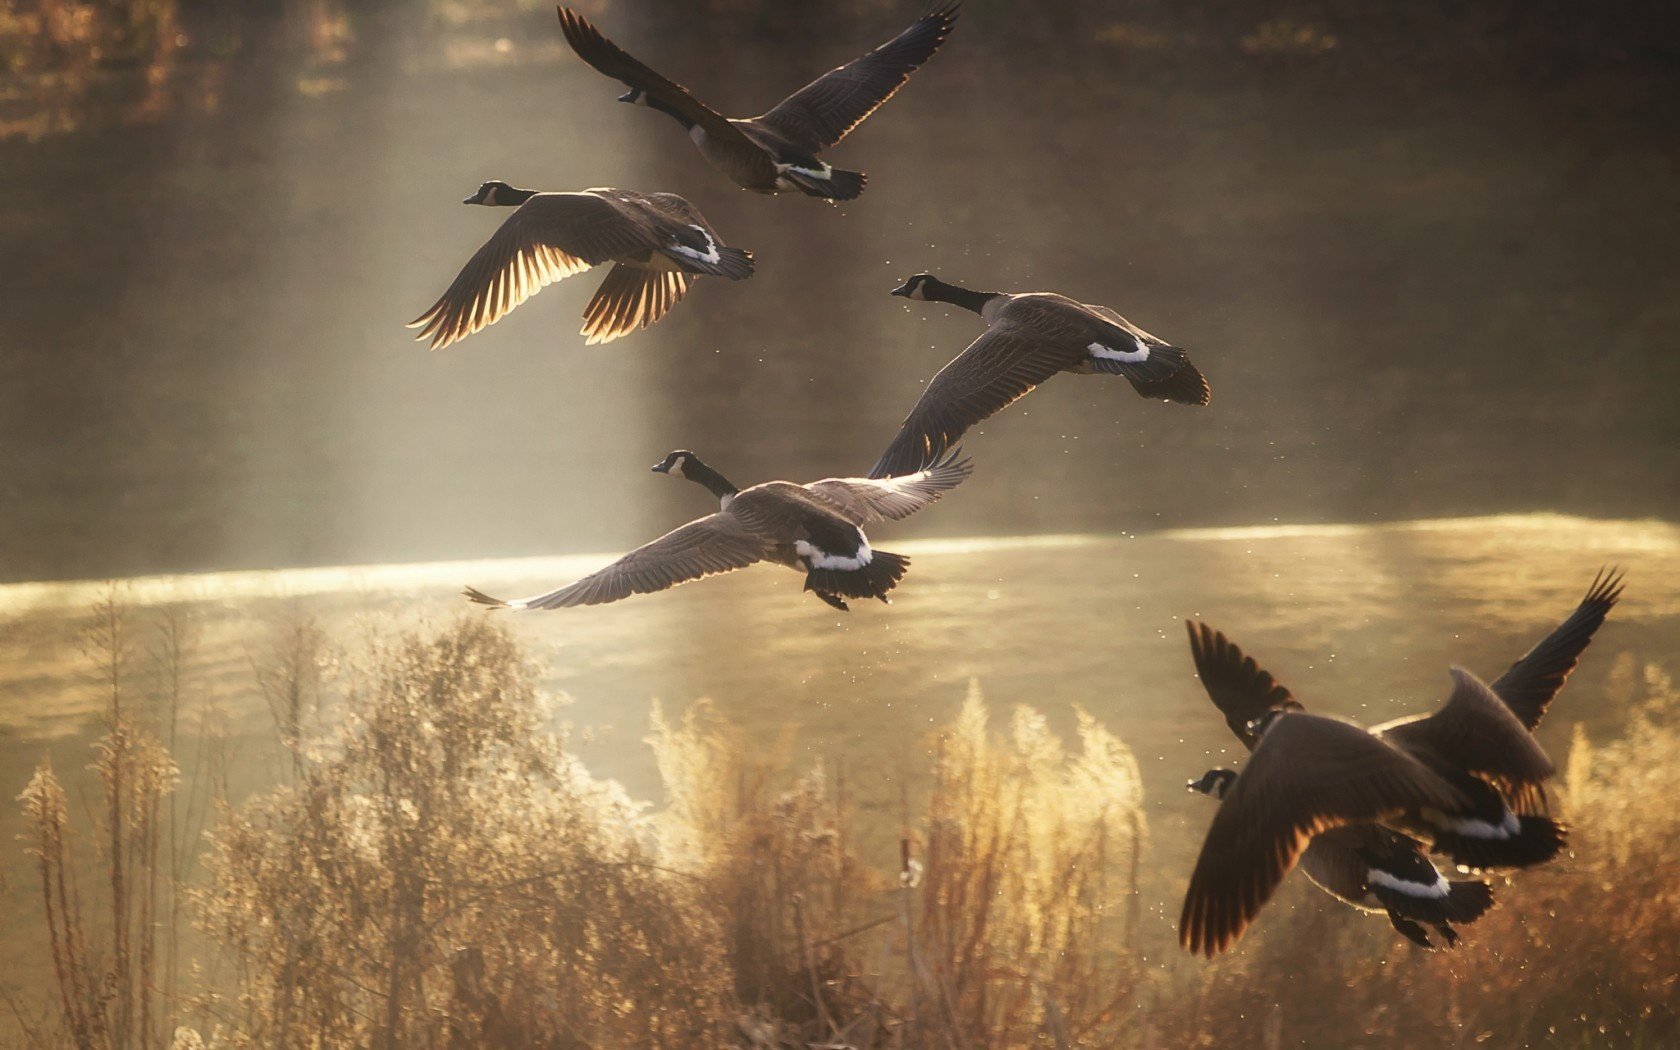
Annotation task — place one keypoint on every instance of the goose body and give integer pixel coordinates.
(779, 151)
(1366, 865)
(1029, 337)
(1308, 775)
(657, 242)
(1300, 799)
(816, 529)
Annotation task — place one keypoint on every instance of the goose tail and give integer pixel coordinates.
(1538, 839)
(837, 185)
(1468, 900)
(872, 580)
(1187, 386)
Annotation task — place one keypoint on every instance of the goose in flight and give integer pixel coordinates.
(1367, 865)
(777, 152)
(815, 529)
(1029, 337)
(658, 243)
(1478, 745)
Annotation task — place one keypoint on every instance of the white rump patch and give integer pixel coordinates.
(1130, 356)
(710, 255)
(1438, 891)
(821, 559)
(1508, 826)
(824, 172)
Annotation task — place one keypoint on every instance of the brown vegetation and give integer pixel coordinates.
(442, 872)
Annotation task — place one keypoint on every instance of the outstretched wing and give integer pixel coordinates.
(1239, 687)
(863, 500)
(713, 544)
(1476, 732)
(1308, 774)
(997, 369)
(1530, 684)
(824, 111)
(607, 57)
(550, 236)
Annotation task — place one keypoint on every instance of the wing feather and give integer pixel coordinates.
(864, 500)
(710, 545)
(612, 60)
(825, 111)
(997, 369)
(1241, 689)
(1529, 685)
(549, 237)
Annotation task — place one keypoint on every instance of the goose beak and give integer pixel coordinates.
(628, 96)
(903, 290)
(470, 200)
(660, 468)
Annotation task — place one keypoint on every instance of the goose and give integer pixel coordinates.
(778, 151)
(1371, 867)
(1308, 775)
(815, 529)
(1482, 742)
(659, 243)
(1029, 337)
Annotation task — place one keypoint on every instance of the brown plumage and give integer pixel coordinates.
(1529, 685)
(778, 151)
(658, 241)
(1029, 337)
(1371, 867)
(815, 529)
(1308, 774)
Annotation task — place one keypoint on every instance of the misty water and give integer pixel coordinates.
(1361, 621)
(1436, 312)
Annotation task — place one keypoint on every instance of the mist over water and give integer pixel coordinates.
(1414, 295)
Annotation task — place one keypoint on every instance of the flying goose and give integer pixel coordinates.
(1029, 337)
(1308, 775)
(1371, 867)
(778, 151)
(658, 241)
(1482, 749)
(814, 529)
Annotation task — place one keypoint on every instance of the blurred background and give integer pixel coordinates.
(1423, 252)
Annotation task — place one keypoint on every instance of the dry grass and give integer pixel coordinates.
(440, 871)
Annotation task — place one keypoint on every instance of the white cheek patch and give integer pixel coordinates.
(1108, 353)
(1422, 890)
(710, 255)
(818, 558)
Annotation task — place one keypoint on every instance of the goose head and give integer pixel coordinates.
(497, 193)
(684, 464)
(676, 463)
(915, 287)
(1215, 782)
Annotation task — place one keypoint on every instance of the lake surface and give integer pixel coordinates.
(1361, 621)
(1423, 279)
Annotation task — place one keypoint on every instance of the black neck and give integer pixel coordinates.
(654, 103)
(939, 292)
(715, 483)
(511, 197)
